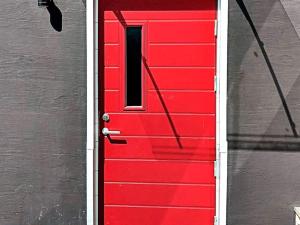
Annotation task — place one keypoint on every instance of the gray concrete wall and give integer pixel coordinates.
(42, 114)
(264, 155)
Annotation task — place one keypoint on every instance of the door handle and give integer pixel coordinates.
(106, 131)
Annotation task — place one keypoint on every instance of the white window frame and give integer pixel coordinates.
(92, 112)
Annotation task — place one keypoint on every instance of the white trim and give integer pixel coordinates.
(90, 132)
(96, 153)
(221, 136)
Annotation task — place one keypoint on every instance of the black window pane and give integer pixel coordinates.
(133, 66)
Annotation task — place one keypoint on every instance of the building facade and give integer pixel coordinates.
(43, 112)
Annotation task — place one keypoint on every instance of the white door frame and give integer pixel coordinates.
(221, 113)
(92, 113)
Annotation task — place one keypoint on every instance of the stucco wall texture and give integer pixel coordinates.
(43, 111)
(42, 114)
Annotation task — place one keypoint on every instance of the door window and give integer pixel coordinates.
(133, 66)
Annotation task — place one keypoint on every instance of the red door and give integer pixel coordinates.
(159, 105)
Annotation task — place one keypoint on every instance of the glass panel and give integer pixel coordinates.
(133, 66)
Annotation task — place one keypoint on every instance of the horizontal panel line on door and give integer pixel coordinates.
(111, 67)
(180, 43)
(185, 91)
(162, 113)
(161, 160)
(163, 136)
(182, 20)
(157, 206)
(182, 67)
(172, 90)
(203, 184)
(168, 137)
(128, 21)
(159, 135)
(111, 44)
(188, 156)
(159, 183)
(159, 20)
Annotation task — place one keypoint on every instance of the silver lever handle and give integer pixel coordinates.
(106, 131)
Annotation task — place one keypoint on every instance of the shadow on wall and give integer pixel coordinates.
(270, 67)
(274, 143)
(55, 16)
(242, 38)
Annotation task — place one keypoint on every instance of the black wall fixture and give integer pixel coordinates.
(55, 13)
(55, 16)
(44, 3)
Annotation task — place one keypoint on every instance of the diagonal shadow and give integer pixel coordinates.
(120, 17)
(276, 82)
(163, 103)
